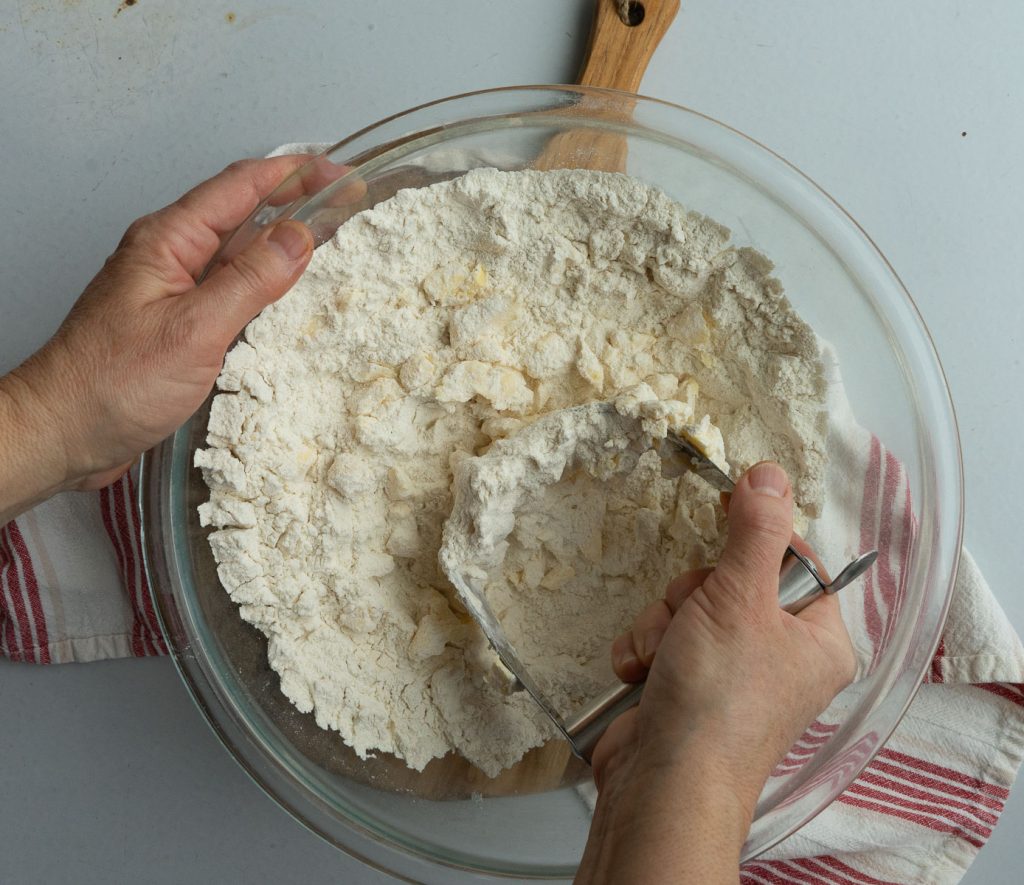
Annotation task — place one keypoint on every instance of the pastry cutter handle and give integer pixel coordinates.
(799, 585)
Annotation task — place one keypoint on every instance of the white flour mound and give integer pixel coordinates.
(429, 327)
(528, 531)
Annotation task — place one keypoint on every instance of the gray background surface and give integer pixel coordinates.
(107, 772)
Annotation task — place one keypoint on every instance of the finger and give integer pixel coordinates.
(258, 275)
(648, 630)
(336, 207)
(633, 651)
(625, 661)
(760, 528)
(313, 177)
(617, 737)
(826, 619)
(223, 202)
(679, 589)
(805, 550)
(797, 542)
(181, 238)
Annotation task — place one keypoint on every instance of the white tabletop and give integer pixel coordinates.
(910, 113)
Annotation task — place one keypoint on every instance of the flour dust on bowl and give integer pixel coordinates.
(453, 821)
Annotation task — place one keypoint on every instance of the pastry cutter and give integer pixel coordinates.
(800, 583)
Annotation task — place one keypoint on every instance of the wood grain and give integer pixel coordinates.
(616, 58)
(617, 54)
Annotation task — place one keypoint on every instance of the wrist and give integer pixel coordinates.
(53, 387)
(675, 819)
(34, 464)
(706, 751)
(694, 780)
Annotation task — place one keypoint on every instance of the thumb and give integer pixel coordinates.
(256, 276)
(760, 528)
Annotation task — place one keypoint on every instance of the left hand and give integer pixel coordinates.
(143, 345)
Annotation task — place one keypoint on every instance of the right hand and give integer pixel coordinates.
(728, 670)
(732, 681)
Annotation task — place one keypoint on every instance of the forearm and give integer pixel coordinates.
(33, 462)
(678, 826)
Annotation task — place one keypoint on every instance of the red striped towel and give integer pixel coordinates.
(72, 585)
(72, 588)
(923, 807)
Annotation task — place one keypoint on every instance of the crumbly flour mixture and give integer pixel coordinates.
(528, 530)
(430, 327)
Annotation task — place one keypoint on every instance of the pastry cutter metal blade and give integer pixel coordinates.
(800, 583)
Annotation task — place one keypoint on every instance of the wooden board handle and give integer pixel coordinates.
(617, 56)
(618, 53)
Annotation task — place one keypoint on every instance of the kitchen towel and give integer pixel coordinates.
(73, 588)
(926, 803)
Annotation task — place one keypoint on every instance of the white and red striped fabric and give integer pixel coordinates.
(72, 588)
(72, 584)
(925, 805)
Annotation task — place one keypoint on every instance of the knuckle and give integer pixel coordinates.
(654, 615)
(724, 577)
(138, 232)
(248, 271)
(756, 555)
(243, 165)
(242, 174)
(767, 521)
(727, 580)
(742, 588)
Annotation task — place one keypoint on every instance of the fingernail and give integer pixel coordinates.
(649, 644)
(625, 660)
(291, 239)
(767, 478)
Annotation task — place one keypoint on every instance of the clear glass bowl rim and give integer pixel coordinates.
(197, 678)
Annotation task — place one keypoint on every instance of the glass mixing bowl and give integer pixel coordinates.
(449, 823)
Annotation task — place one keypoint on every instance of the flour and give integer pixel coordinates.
(426, 331)
(527, 531)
